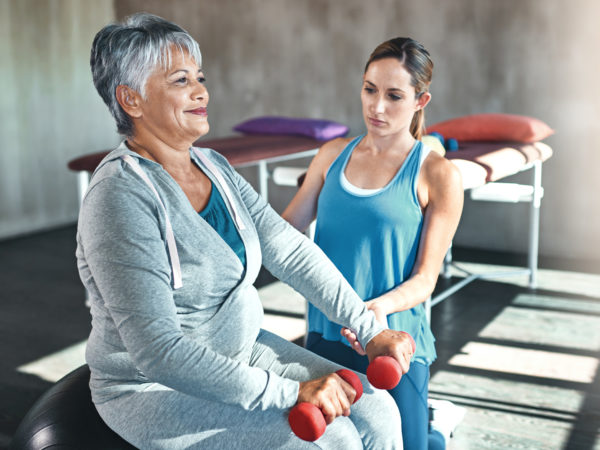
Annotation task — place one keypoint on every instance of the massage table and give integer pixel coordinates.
(481, 164)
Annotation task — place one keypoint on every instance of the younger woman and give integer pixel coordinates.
(386, 209)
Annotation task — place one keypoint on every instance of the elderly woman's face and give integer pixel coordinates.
(174, 110)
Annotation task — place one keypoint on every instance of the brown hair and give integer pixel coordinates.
(418, 64)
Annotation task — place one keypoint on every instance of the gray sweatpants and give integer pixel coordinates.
(161, 418)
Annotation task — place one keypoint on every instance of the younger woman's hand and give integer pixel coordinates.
(381, 316)
(377, 306)
(353, 341)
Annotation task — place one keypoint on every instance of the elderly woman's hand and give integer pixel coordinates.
(331, 394)
(396, 344)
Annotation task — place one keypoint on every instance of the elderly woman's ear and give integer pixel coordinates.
(129, 100)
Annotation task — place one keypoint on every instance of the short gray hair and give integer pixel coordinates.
(128, 53)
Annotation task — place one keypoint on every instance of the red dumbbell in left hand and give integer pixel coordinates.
(384, 372)
(307, 421)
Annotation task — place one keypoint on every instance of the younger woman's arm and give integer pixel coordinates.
(302, 210)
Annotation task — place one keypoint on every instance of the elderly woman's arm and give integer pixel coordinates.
(294, 259)
(122, 238)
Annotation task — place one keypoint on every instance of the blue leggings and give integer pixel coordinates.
(410, 394)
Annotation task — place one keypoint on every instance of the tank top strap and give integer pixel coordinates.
(340, 161)
(413, 165)
(425, 151)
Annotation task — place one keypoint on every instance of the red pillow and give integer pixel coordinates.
(493, 127)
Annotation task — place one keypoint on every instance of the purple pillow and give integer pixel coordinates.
(322, 130)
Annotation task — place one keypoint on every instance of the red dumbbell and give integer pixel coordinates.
(385, 372)
(307, 420)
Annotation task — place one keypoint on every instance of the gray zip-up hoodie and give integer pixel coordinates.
(196, 339)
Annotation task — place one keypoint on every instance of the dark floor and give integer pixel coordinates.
(526, 400)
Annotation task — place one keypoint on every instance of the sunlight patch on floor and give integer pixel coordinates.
(279, 296)
(56, 365)
(563, 329)
(558, 302)
(509, 395)
(287, 327)
(501, 413)
(535, 363)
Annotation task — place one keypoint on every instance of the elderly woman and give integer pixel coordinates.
(170, 241)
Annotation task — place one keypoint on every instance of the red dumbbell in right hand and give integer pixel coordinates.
(307, 421)
(384, 372)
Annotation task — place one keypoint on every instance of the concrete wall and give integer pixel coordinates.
(49, 108)
(305, 58)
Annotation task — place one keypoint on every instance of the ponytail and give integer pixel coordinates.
(417, 126)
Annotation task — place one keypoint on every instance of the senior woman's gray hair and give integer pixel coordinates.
(128, 53)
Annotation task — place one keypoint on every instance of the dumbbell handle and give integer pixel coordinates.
(384, 372)
(307, 421)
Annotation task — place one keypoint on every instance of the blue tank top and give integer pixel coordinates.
(216, 214)
(373, 240)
